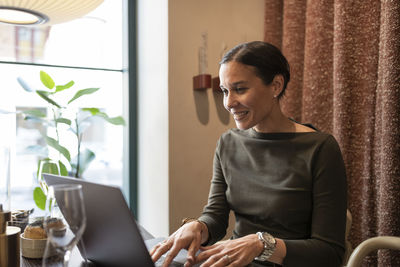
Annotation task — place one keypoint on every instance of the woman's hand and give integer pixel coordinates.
(190, 236)
(236, 252)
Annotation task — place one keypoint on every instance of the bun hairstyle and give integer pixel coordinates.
(267, 60)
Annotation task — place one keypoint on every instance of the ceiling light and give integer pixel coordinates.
(34, 12)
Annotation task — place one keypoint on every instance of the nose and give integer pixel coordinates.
(230, 101)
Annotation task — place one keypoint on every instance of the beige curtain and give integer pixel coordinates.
(345, 65)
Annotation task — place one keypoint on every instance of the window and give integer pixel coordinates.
(89, 51)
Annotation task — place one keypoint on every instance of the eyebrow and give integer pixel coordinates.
(233, 84)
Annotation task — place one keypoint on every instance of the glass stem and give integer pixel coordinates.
(83, 252)
(67, 255)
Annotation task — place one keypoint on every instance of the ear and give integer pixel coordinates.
(278, 83)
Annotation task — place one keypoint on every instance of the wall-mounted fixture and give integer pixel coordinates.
(203, 80)
(215, 84)
(35, 12)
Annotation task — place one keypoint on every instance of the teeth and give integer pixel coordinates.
(239, 115)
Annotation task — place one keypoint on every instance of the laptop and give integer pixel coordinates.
(112, 236)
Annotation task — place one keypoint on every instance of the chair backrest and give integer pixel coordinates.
(371, 244)
(348, 247)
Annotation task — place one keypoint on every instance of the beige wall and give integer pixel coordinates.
(197, 119)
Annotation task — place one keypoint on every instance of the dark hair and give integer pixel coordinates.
(267, 60)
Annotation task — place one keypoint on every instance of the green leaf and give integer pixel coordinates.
(63, 120)
(50, 167)
(94, 111)
(24, 85)
(40, 168)
(46, 80)
(35, 119)
(116, 120)
(39, 197)
(44, 95)
(63, 87)
(54, 143)
(38, 171)
(83, 92)
(35, 113)
(63, 169)
(87, 156)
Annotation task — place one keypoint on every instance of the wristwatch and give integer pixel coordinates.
(269, 243)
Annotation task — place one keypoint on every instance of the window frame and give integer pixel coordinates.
(129, 71)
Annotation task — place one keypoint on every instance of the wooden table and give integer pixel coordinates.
(76, 258)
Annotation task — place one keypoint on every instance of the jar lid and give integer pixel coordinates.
(13, 230)
(5, 216)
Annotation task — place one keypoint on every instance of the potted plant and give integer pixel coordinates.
(62, 117)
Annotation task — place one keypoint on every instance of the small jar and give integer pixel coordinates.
(9, 241)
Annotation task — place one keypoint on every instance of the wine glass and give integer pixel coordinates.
(65, 221)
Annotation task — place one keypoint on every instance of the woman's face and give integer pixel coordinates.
(246, 97)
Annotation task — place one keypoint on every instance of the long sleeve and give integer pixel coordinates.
(291, 185)
(216, 213)
(326, 244)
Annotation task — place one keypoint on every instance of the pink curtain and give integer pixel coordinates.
(345, 64)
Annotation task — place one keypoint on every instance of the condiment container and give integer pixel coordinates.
(9, 241)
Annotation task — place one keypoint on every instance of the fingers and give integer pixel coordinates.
(171, 255)
(208, 247)
(226, 260)
(218, 260)
(232, 253)
(160, 249)
(191, 256)
(188, 236)
(153, 250)
(207, 252)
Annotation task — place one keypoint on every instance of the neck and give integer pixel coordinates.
(277, 122)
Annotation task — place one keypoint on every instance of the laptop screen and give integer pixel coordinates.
(112, 237)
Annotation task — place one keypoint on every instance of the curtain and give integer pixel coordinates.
(345, 67)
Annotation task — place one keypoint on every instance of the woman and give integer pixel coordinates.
(284, 181)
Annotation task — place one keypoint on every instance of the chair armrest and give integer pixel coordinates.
(371, 244)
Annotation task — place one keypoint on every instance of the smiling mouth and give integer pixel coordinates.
(238, 116)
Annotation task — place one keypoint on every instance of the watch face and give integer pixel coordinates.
(269, 243)
(269, 238)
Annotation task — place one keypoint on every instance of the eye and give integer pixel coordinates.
(224, 91)
(240, 90)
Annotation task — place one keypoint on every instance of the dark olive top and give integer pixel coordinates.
(291, 185)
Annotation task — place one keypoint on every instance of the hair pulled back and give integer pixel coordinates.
(267, 60)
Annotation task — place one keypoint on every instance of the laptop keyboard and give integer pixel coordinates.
(173, 263)
(177, 262)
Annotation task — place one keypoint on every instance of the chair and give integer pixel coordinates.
(371, 244)
(348, 247)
